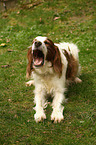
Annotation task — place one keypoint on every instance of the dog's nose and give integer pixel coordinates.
(37, 43)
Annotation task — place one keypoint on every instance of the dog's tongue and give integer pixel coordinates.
(38, 61)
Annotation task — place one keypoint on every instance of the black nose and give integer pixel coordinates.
(37, 43)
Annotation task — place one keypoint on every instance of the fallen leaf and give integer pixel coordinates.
(9, 50)
(18, 12)
(81, 121)
(56, 18)
(8, 40)
(44, 132)
(3, 44)
(9, 100)
(30, 5)
(40, 19)
(5, 15)
(67, 11)
(15, 116)
(5, 66)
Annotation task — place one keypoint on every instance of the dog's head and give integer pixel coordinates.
(43, 49)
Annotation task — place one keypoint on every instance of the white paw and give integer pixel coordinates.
(29, 83)
(39, 116)
(77, 80)
(57, 116)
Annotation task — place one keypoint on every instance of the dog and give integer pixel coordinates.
(51, 65)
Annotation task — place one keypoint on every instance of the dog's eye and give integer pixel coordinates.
(46, 42)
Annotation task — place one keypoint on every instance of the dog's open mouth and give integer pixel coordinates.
(38, 58)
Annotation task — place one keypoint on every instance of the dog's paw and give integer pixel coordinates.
(29, 83)
(57, 116)
(39, 116)
(77, 80)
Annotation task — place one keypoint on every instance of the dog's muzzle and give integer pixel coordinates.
(38, 56)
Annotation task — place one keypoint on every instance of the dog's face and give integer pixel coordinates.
(43, 49)
(39, 51)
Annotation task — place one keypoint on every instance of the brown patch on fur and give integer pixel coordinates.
(30, 61)
(53, 55)
(72, 68)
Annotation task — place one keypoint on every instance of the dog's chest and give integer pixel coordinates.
(47, 82)
(46, 78)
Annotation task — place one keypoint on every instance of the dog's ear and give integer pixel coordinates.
(57, 64)
(30, 62)
(53, 55)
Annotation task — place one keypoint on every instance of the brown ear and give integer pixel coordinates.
(30, 61)
(53, 55)
(57, 65)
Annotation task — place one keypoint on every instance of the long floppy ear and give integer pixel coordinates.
(30, 61)
(53, 55)
(57, 64)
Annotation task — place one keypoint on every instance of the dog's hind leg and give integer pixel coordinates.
(77, 80)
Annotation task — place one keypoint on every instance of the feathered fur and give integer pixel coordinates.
(51, 68)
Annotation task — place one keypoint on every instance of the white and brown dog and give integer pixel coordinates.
(51, 66)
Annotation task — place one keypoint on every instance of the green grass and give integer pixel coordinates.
(18, 27)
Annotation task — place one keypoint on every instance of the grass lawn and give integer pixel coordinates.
(69, 21)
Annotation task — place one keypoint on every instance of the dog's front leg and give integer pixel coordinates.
(57, 114)
(39, 101)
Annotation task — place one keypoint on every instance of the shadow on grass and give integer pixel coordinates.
(86, 89)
